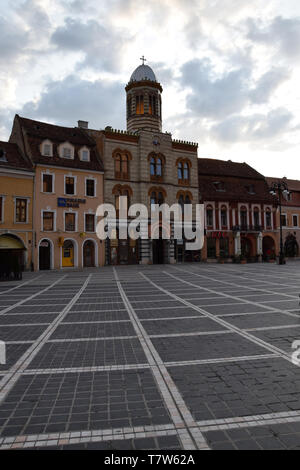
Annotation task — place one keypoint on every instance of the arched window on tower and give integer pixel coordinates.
(152, 105)
(139, 99)
(183, 171)
(180, 171)
(186, 173)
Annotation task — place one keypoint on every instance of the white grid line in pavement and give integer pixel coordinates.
(10, 379)
(11, 307)
(249, 421)
(220, 360)
(180, 414)
(64, 370)
(194, 333)
(222, 322)
(79, 340)
(20, 285)
(93, 321)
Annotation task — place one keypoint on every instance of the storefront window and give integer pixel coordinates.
(211, 247)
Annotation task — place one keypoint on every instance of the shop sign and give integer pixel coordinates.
(69, 202)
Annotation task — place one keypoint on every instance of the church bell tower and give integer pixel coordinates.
(143, 100)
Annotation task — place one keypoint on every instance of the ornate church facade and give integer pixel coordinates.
(149, 167)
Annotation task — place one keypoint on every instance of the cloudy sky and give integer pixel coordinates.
(230, 70)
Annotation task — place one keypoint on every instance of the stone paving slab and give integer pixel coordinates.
(27, 318)
(186, 348)
(272, 437)
(13, 353)
(111, 315)
(92, 330)
(281, 338)
(239, 389)
(84, 401)
(89, 353)
(181, 326)
(21, 333)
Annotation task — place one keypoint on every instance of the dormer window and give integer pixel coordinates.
(250, 188)
(84, 154)
(47, 149)
(219, 185)
(66, 150)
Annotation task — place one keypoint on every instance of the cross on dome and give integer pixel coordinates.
(143, 59)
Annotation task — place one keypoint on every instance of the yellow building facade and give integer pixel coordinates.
(16, 208)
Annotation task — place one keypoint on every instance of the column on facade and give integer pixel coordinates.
(259, 245)
(237, 244)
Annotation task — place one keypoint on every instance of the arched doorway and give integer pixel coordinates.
(89, 254)
(268, 248)
(68, 254)
(12, 256)
(45, 255)
(246, 247)
(291, 247)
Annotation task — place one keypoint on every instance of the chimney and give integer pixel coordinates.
(83, 124)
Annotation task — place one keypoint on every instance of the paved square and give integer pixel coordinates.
(191, 356)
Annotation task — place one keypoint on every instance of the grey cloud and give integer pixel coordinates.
(35, 17)
(103, 48)
(267, 84)
(283, 33)
(213, 96)
(262, 128)
(67, 101)
(13, 40)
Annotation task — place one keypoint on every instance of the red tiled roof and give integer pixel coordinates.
(211, 166)
(236, 178)
(12, 158)
(36, 132)
(293, 185)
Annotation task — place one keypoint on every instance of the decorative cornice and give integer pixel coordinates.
(147, 83)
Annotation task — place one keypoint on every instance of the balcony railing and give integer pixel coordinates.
(247, 228)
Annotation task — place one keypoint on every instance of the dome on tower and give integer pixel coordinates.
(143, 72)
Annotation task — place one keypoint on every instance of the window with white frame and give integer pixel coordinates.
(48, 221)
(66, 150)
(47, 148)
(89, 222)
(47, 180)
(295, 220)
(268, 218)
(84, 154)
(224, 216)
(283, 220)
(70, 185)
(70, 221)
(209, 216)
(21, 210)
(90, 187)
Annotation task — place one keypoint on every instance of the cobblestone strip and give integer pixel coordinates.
(11, 307)
(190, 437)
(78, 437)
(20, 285)
(248, 421)
(13, 375)
(219, 320)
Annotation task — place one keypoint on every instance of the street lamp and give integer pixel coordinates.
(280, 187)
